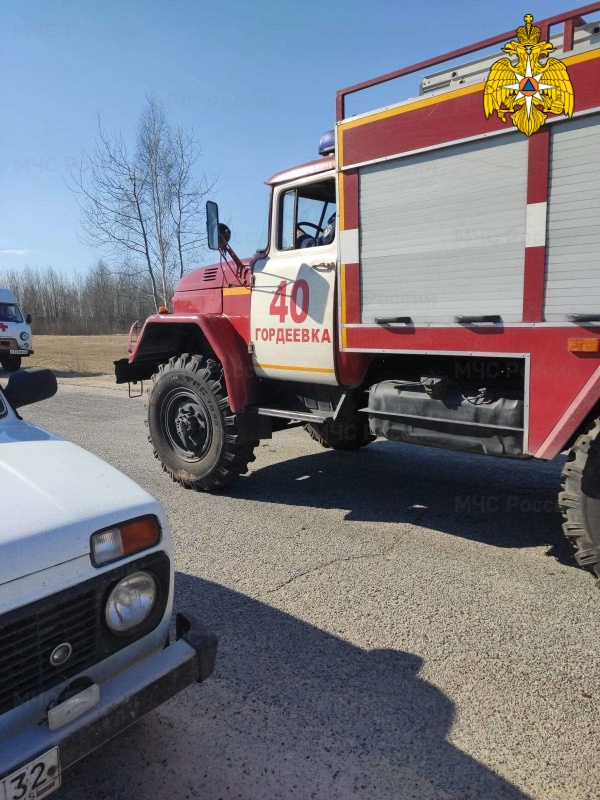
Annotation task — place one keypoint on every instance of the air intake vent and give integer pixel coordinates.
(25, 667)
(210, 274)
(31, 634)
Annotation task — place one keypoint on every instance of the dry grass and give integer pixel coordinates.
(77, 356)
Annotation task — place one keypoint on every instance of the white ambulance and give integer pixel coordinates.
(15, 333)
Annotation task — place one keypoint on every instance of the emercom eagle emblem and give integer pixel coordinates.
(528, 90)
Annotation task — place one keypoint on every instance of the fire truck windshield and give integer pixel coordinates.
(307, 215)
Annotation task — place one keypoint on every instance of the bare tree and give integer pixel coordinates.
(144, 206)
(103, 300)
(188, 195)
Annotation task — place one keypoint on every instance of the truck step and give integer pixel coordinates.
(318, 417)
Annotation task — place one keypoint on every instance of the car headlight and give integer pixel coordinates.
(124, 540)
(24, 336)
(131, 601)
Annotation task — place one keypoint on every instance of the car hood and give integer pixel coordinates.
(53, 496)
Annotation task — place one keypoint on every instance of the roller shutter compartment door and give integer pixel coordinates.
(573, 245)
(442, 233)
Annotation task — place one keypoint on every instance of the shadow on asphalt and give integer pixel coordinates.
(499, 502)
(73, 373)
(352, 722)
(59, 373)
(290, 712)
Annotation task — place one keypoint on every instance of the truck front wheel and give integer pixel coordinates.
(580, 499)
(350, 435)
(192, 427)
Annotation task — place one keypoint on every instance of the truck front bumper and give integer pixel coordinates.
(123, 700)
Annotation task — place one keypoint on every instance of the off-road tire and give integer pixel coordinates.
(192, 428)
(11, 363)
(579, 500)
(350, 435)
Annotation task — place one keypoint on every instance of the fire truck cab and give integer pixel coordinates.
(431, 279)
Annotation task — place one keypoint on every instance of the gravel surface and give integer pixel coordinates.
(396, 623)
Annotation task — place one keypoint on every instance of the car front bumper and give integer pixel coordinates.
(124, 700)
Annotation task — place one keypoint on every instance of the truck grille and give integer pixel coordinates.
(26, 646)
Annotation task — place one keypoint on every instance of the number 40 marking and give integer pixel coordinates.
(298, 310)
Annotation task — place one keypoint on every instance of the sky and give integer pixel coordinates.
(255, 81)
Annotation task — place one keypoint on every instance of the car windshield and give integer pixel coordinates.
(9, 312)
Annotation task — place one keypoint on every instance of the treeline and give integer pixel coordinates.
(99, 302)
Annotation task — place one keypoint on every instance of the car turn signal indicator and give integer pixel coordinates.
(124, 540)
(584, 345)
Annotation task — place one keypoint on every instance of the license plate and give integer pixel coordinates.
(18, 352)
(37, 779)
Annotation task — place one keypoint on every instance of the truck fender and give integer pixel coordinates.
(193, 333)
(572, 420)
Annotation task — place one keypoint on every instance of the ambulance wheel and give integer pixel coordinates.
(351, 435)
(192, 428)
(579, 500)
(11, 363)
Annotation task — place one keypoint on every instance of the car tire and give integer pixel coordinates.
(11, 363)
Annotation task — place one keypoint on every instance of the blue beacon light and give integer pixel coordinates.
(327, 144)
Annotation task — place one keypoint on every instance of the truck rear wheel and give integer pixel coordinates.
(350, 435)
(11, 363)
(192, 427)
(580, 499)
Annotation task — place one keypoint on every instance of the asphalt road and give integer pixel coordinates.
(396, 623)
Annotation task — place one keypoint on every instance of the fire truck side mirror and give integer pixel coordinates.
(212, 225)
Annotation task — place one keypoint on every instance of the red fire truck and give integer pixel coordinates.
(434, 278)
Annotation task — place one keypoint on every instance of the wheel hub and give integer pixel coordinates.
(190, 425)
(187, 424)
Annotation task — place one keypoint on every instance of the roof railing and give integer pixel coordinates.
(570, 20)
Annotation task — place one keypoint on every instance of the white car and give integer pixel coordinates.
(15, 334)
(86, 592)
